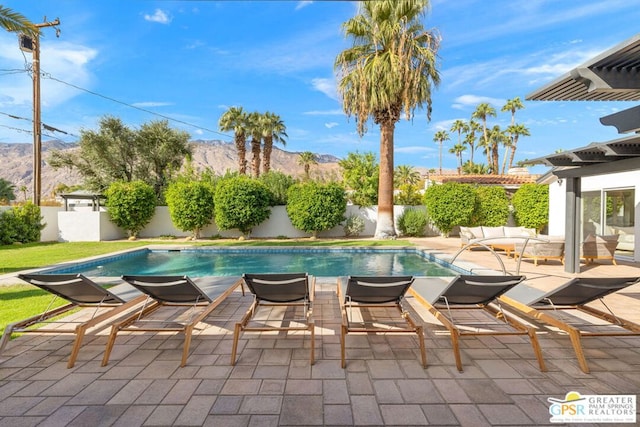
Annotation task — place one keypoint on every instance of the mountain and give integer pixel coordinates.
(219, 156)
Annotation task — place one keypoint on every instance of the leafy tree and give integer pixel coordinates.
(21, 223)
(474, 168)
(131, 205)
(160, 153)
(241, 202)
(360, 175)
(492, 206)
(531, 206)
(412, 222)
(390, 69)
(307, 158)
(314, 207)
(408, 195)
(117, 153)
(235, 119)
(273, 130)
(190, 205)
(278, 184)
(7, 190)
(440, 137)
(450, 204)
(16, 23)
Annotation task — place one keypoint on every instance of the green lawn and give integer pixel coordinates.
(21, 301)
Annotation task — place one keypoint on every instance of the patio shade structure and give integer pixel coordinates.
(614, 75)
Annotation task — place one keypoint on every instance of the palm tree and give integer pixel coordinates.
(484, 110)
(390, 69)
(440, 137)
(307, 158)
(511, 105)
(16, 23)
(255, 126)
(6, 190)
(23, 190)
(458, 149)
(274, 130)
(516, 131)
(235, 119)
(497, 137)
(470, 138)
(405, 175)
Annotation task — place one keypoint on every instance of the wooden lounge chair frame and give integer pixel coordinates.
(376, 292)
(574, 295)
(81, 292)
(278, 289)
(480, 292)
(167, 291)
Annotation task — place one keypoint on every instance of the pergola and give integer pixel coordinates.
(613, 75)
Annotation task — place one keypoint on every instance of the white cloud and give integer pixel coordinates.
(158, 16)
(326, 86)
(414, 149)
(151, 104)
(473, 100)
(331, 125)
(337, 112)
(303, 3)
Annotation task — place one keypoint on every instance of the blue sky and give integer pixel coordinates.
(191, 60)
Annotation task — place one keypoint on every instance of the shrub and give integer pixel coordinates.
(449, 205)
(190, 205)
(278, 184)
(353, 226)
(131, 205)
(314, 207)
(531, 206)
(492, 206)
(412, 222)
(360, 174)
(409, 195)
(241, 202)
(21, 224)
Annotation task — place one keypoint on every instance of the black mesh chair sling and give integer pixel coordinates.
(476, 292)
(172, 291)
(273, 290)
(363, 296)
(566, 309)
(78, 291)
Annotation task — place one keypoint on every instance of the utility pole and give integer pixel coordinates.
(37, 122)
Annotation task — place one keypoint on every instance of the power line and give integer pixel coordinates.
(49, 76)
(44, 125)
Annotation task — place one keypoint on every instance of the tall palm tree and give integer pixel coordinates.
(516, 131)
(306, 159)
(440, 137)
(512, 105)
(274, 130)
(458, 149)
(497, 137)
(255, 126)
(470, 138)
(390, 69)
(459, 126)
(235, 119)
(484, 110)
(405, 175)
(16, 23)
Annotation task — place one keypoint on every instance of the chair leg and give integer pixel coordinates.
(455, 342)
(343, 337)
(80, 331)
(536, 348)
(187, 343)
(313, 342)
(423, 350)
(110, 342)
(236, 335)
(576, 341)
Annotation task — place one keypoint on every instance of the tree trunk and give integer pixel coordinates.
(266, 155)
(385, 227)
(255, 162)
(513, 151)
(241, 148)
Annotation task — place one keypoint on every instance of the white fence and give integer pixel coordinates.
(83, 224)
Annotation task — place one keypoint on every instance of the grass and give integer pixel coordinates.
(21, 301)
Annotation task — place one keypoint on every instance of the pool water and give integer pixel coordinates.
(227, 262)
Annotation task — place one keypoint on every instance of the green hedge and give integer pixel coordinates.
(241, 202)
(314, 207)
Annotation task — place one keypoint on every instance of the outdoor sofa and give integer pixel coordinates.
(543, 248)
(496, 238)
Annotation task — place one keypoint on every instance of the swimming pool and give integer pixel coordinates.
(201, 262)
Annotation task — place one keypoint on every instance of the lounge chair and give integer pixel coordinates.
(473, 292)
(599, 247)
(554, 308)
(272, 290)
(79, 291)
(378, 293)
(172, 291)
(553, 248)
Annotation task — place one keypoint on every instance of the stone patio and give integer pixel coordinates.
(273, 383)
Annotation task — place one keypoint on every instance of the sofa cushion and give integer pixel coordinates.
(493, 231)
(476, 232)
